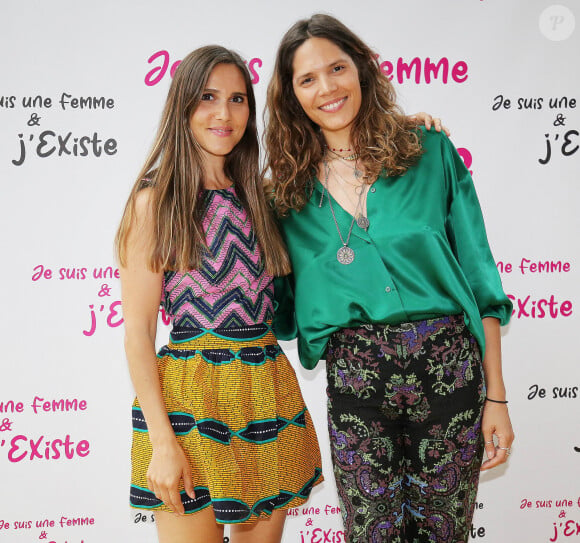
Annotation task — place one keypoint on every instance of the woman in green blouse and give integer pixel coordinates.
(393, 283)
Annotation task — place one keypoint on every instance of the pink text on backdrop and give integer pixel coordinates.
(527, 266)
(466, 157)
(10, 406)
(42, 272)
(162, 62)
(114, 317)
(530, 308)
(62, 405)
(425, 70)
(23, 447)
(321, 535)
(565, 528)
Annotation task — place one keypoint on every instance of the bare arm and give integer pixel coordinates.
(496, 418)
(141, 292)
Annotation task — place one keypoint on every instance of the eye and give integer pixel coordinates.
(338, 68)
(206, 96)
(238, 99)
(307, 81)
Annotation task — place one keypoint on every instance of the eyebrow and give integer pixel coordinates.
(236, 93)
(330, 64)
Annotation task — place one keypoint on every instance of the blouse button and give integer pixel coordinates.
(388, 289)
(373, 189)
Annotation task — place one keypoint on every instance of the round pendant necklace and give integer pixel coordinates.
(345, 255)
(362, 222)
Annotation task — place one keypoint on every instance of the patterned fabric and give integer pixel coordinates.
(231, 288)
(231, 395)
(234, 402)
(405, 404)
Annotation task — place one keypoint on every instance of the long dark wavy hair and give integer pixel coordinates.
(382, 136)
(174, 170)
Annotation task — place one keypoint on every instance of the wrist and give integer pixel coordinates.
(162, 438)
(495, 401)
(496, 391)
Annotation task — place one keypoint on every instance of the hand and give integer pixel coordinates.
(167, 468)
(428, 121)
(496, 420)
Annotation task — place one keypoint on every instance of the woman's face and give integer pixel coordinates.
(220, 119)
(326, 84)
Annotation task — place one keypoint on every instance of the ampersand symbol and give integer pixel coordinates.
(42, 535)
(34, 120)
(6, 426)
(562, 514)
(560, 120)
(309, 522)
(105, 290)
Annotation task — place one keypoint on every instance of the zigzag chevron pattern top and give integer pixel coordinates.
(232, 287)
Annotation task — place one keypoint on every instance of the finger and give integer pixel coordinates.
(489, 445)
(153, 487)
(427, 121)
(446, 130)
(499, 458)
(504, 446)
(175, 501)
(437, 124)
(188, 483)
(165, 496)
(422, 118)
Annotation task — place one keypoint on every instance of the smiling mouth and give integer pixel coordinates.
(333, 106)
(222, 132)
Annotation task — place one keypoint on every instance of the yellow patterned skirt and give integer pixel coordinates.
(235, 405)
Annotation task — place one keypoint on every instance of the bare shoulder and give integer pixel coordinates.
(143, 201)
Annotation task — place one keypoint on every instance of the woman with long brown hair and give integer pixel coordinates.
(394, 285)
(221, 434)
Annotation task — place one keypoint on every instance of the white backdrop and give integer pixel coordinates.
(65, 173)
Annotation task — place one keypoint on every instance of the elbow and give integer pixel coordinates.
(137, 341)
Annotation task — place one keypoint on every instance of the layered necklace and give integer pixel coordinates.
(345, 254)
(347, 159)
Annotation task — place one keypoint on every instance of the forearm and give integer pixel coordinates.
(492, 360)
(145, 377)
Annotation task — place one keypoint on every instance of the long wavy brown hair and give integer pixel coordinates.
(382, 136)
(174, 171)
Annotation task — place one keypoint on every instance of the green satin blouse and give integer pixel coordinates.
(425, 254)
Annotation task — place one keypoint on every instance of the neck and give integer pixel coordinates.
(214, 176)
(338, 140)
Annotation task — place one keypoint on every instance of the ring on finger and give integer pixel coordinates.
(489, 442)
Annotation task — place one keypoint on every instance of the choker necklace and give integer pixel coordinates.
(357, 173)
(350, 157)
(345, 255)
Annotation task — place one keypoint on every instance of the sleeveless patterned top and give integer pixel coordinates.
(231, 288)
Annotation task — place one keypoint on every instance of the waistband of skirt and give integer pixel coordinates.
(246, 332)
(402, 327)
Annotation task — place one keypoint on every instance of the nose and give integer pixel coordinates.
(327, 84)
(222, 111)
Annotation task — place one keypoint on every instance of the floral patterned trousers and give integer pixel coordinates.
(405, 404)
